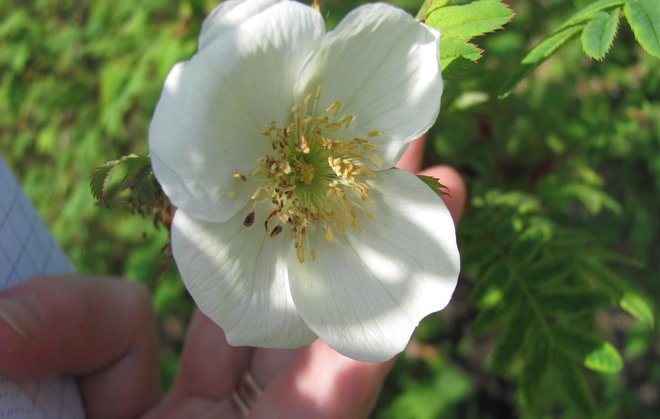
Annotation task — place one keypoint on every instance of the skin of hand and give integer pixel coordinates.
(103, 332)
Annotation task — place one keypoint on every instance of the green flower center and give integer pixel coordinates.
(313, 175)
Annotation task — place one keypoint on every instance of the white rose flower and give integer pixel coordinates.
(276, 142)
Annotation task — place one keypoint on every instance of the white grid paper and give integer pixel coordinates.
(28, 249)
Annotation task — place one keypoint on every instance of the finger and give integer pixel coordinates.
(267, 364)
(412, 158)
(321, 383)
(99, 329)
(209, 372)
(456, 190)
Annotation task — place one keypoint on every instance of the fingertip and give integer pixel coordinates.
(456, 190)
(412, 158)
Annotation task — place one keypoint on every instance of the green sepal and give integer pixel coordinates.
(434, 184)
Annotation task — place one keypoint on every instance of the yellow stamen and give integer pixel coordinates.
(334, 108)
(327, 231)
(314, 175)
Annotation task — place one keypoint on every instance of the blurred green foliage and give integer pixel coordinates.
(562, 225)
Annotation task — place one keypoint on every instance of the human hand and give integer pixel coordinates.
(103, 332)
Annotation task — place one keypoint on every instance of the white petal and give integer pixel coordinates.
(383, 66)
(366, 292)
(208, 123)
(238, 277)
(228, 15)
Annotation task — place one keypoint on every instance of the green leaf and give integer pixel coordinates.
(571, 385)
(452, 49)
(123, 175)
(470, 20)
(492, 317)
(548, 269)
(538, 55)
(598, 35)
(428, 7)
(644, 19)
(512, 338)
(97, 179)
(634, 304)
(488, 290)
(524, 250)
(434, 184)
(571, 301)
(628, 300)
(586, 348)
(588, 12)
(535, 367)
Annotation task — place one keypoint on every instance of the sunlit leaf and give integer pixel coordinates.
(452, 49)
(586, 348)
(537, 55)
(428, 7)
(470, 20)
(588, 12)
(634, 304)
(644, 19)
(598, 35)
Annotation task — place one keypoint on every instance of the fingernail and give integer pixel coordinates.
(24, 315)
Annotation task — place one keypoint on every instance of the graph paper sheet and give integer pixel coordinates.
(28, 249)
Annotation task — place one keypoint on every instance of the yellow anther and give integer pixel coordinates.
(333, 126)
(334, 108)
(298, 185)
(346, 121)
(340, 226)
(327, 232)
(239, 176)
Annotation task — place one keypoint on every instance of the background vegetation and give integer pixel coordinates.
(560, 241)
